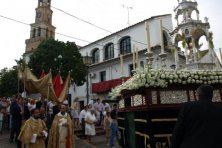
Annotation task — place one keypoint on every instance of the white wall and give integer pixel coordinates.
(112, 68)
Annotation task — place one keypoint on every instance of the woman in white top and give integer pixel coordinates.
(31, 104)
(90, 121)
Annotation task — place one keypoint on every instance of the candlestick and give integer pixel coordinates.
(121, 64)
(133, 57)
(161, 37)
(148, 36)
(137, 58)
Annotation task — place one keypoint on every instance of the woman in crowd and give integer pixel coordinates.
(107, 121)
(75, 113)
(90, 121)
(1, 118)
(31, 104)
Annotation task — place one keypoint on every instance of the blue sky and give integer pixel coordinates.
(108, 14)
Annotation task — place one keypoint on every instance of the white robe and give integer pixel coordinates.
(90, 128)
(62, 131)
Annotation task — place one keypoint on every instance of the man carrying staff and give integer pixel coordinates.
(33, 133)
(62, 131)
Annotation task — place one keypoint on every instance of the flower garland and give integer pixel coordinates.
(163, 78)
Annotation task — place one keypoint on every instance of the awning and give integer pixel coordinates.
(106, 86)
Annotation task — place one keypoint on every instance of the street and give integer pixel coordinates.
(98, 142)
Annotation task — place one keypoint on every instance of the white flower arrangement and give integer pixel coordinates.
(164, 77)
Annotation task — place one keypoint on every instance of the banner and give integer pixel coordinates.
(42, 74)
(57, 84)
(65, 89)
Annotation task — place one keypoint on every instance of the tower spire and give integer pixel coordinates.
(42, 28)
(189, 30)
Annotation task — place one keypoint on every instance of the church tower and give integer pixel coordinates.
(189, 30)
(42, 28)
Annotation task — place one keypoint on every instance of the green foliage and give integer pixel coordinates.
(21, 63)
(9, 82)
(211, 40)
(184, 43)
(183, 37)
(58, 56)
(172, 50)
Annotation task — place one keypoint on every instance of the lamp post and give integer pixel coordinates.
(59, 60)
(87, 60)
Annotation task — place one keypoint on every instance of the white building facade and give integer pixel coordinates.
(106, 72)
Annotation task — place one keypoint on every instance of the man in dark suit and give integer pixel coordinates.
(41, 103)
(17, 112)
(199, 123)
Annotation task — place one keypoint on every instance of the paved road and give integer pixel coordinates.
(4, 141)
(98, 142)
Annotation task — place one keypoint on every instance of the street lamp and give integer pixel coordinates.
(58, 59)
(87, 60)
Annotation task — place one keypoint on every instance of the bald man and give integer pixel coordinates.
(199, 124)
(62, 130)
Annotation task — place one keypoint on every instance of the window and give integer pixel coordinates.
(125, 46)
(39, 31)
(33, 33)
(95, 56)
(40, 2)
(46, 32)
(109, 51)
(130, 69)
(102, 76)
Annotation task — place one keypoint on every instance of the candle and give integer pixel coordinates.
(161, 37)
(133, 57)
(148, 36)
(137, 58)
(121, 64)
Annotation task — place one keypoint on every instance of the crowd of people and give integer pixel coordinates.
(40, 124)
(37, 123)
(96, 113)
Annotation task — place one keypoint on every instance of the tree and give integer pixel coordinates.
(9, 82)
(58, 56)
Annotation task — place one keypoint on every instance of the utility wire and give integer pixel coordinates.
(14, 20)
(17, 21)
(92, 24)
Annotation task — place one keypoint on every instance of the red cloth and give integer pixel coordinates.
(42, 74)
(107, 85)
(57, 84)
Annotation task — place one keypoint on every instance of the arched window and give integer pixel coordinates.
(40, 2)
(109, 51)
(125, 46)
(39, 31)
(95, 56)
(33, 33)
